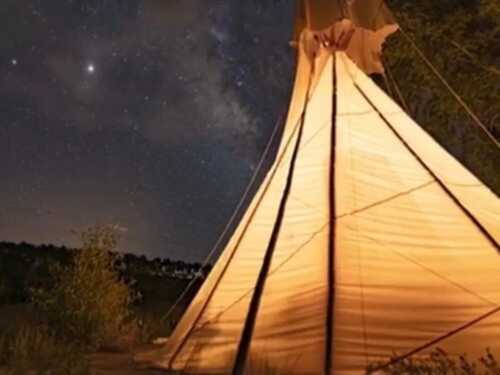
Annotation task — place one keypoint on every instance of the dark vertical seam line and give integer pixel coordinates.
(246, 336)
(331, 237)
(481, 228)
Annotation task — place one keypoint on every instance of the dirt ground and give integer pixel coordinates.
(111, 364)
(122, 363)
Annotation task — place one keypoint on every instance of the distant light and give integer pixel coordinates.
(14, 62)
(90, 68)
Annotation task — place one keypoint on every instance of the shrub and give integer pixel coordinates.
(439, 362)
(89, 302)
(33, 349)
(150, 327)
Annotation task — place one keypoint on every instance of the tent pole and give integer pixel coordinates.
(307, 13)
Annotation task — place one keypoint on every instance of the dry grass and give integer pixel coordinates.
(439, 362)
(34, 349)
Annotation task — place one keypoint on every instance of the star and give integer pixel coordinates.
(90, 68)
(13, 62)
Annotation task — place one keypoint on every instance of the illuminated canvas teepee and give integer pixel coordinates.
(365, 239)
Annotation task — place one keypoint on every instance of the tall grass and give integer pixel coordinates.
(34, 350)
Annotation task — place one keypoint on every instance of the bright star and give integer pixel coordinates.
(90, 68)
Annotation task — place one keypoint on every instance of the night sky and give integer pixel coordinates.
(148, 114)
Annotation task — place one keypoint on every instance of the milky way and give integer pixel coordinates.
(147, 114)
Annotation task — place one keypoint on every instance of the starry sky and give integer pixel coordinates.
(149, 114)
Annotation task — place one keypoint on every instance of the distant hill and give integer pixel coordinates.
(157, 282)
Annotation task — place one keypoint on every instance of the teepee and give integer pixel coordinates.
(366, 240)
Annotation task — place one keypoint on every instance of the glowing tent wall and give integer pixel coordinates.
(403, 260)
(417, 237)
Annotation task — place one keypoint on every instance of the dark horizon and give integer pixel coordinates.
(6, 245)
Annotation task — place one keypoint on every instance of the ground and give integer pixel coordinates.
(112, 364)
(103, 363)
(121, 363)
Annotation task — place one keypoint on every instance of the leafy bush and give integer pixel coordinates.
(35, 349)
(439, 363)
(89, 302)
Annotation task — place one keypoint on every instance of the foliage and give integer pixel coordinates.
(461, 39)
(29, 271)
(24, 267)
(89, 301)
(83, 302)
(440, 363)
(35, 349)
